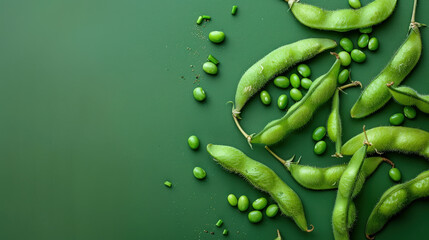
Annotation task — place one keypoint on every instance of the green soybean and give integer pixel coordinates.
(346, 44)
(397, 119)
(265, 97)
(295, 94)
(391, 139)
(346, 187)
(281, 82)
(319, 133)
(363, 40)
(255, 216)
(358, 56)
(376, 95)
(306, 83)
(193, 142)
(243, 203)
(395, 174)
(304, 70)
(343, 76)
(345, 58)
(394, 200)
(282, 101)
(210, 68)
(355, 3)
(373, 44)
(294, 80)
(320, 147)
(199, 94)
(366, 30)
(409, 97)
(232, 200)
(260, 203)
(272, 210)
(410, 112)
(301, 112)
(216, 36)
(199, 173)
(342, 20)
(263, 178)
(275, 63)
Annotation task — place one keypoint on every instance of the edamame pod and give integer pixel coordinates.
(342, 20)
(391, 139)
(263, 178)
(301, 112)
(341, 222)
(275, 63)
(376, 95)
(409, 97)
(394, 200)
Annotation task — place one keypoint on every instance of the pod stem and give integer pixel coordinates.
(366, 142)
(388, 161)
(335, 54)
(369, 237)
(390, 84)
(286, 163)
(278, 235)
(413, 17)
(352, 84)
(311, 229)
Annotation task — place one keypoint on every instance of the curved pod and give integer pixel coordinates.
(409, 97)
(342, 20)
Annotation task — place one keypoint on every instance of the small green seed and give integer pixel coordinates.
(217, 36)
(210, 68)
(265, 97)
(272, 210)
(358, 56)
(219, 223)
(212, 59)
(397, 119)
(294, 80)
(232, 200)
(295, 94)
(199, 173)
(343, 76)
(355, 3)
(304, 70)
(193, 142)
(410, 112)
(234, 10)
(282, 101)
(320, 147)
(255, 216)
(168, 184)
(346, 44)
(395, 174)
(260, 203)
(243, 203)
(225, 232)
(319, 133)
(345, 58)
(306, 83)
(200, 20)
(373, 44)
(199, 94)
(363, 40)
(281, 82)
(366, 30)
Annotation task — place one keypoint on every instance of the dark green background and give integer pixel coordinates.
(94, 117)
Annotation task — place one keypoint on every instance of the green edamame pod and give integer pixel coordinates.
(301, 112)
(263, 178)
(388, 139)
(394, 200)
(275, 63)
(334, 124)
(409, 97)
(376, 95)
(342, 20)
(340, 219)
(315, 178)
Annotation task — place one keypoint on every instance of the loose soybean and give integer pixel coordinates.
(343, 76)
(210, 68)
(410, 112)
(199, 94)
(272, 210)
(281, 82)
(355, 3)
(232, 200)
(396, 119)
(304, 70)
(216, 36)
(346, 44)
(265, 97)
(373, 44)
(358, 56)
(366, 30)
(193, 142)
(363, 40)
(255, 216)
(282, 101)
(260, 203)
(199, 173)
(295, 94)
(319, 133)
(243, 203)
(294, 80)
(345, 58)
(395, 174)
(306, 83)
(320, 147)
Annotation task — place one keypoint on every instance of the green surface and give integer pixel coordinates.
(95, 117)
